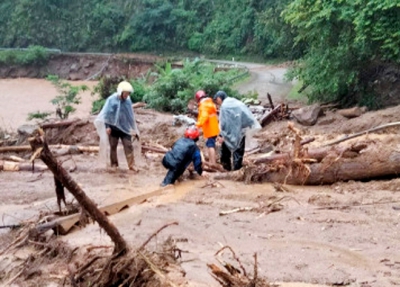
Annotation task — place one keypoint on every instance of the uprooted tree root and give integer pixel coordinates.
(295, 166)
(236, 276)
(46, 258)
(251, 173)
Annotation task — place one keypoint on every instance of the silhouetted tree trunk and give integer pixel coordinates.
(63, 176)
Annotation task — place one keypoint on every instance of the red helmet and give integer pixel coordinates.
(192, 132)
(199, 95)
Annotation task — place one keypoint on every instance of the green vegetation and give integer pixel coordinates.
(68, 97)
(218, 27)
(65, 102)
(38, 115)
(34, 55)
(294, 93)
(347, 41)
(170, 89)
(337, 46)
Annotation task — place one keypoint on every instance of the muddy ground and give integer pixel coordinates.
(301, 240)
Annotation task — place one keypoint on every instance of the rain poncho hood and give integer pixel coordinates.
(236, 121)
(118, 113)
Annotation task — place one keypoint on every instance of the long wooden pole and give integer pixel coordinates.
(63, 176)
(381, 127)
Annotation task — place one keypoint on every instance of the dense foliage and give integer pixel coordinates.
(347, 41)
(338, 45)
(212, 27)
(67, 98)
(170, 89)
(33, 55)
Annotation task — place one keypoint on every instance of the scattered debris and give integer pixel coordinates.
(183, 120)
(236, 277)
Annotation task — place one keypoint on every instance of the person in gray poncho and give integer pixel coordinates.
(117, 121)
(236, 122)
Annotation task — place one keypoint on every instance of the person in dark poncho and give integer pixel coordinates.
(183, 152)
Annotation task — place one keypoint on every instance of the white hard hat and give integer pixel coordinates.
(124, 87)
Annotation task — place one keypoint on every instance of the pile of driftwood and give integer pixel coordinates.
(274, 113)
(336, 161)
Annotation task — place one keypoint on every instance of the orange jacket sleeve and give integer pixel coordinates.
(202, 117)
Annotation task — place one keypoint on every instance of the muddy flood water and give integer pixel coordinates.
(299, 239)
(19, 97)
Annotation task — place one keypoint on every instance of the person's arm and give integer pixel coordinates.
(196, 158)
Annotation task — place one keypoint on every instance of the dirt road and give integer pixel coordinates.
(267, 79)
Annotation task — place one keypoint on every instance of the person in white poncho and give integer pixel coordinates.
(117, 121)
(236, 122)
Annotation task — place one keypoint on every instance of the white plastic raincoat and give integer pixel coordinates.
(236, 121)
(118, 113)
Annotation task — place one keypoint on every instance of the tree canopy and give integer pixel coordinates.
(346, 41)
(337, 45)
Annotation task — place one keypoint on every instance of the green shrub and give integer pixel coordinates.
(34, 55)
(38, 115)
(173, 88)
(170, 89)
(68, 97)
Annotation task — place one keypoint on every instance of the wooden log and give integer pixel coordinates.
(64, 224)
(64, 124)
(347, 137)
(70, 148)
(20, 166)
(22, 148)
(336, 166)
(90, 207)
(307, 141)
(268, 116)
(316, 153)
(13, 158)
(154, 149)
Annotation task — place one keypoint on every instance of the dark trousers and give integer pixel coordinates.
(226, 156)
(127, 144)
(173, 173)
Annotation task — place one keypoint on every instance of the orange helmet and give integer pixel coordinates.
(192, 133)
(199, 95)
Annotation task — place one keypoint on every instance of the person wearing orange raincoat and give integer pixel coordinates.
(207, 120)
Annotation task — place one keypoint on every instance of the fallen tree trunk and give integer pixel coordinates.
(154, 149)
(317, 153)
(12, 158)
(364, 166)
(333, 165)
(64, 224)
(64, 124)
(63, 176)
(70, 148)
(20, 166)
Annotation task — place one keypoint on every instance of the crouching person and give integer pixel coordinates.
(183, 152)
